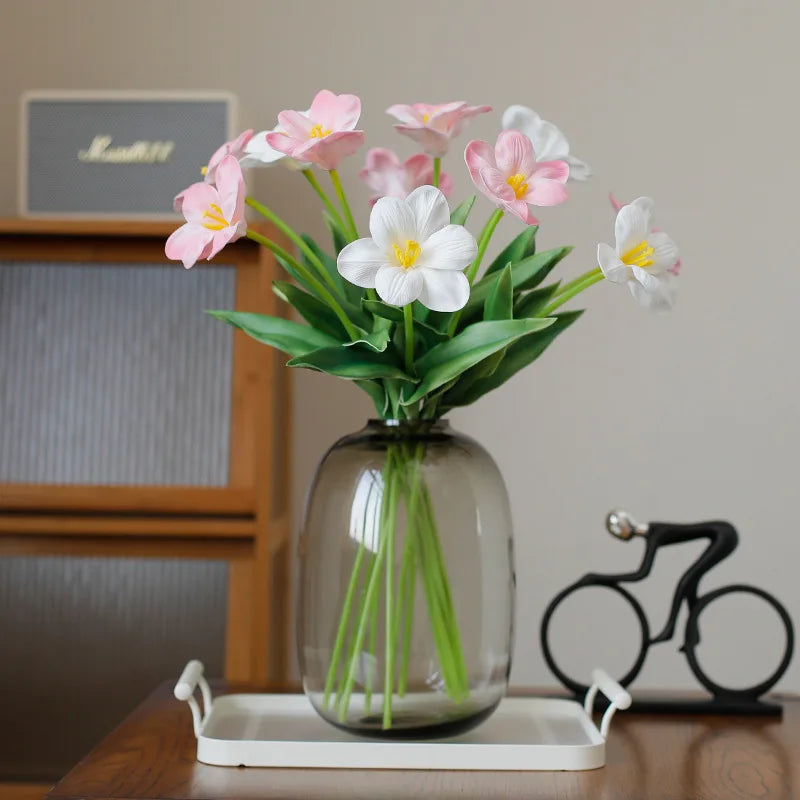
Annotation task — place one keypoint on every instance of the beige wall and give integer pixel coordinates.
(689, 416)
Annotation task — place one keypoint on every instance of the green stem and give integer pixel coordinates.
(592, 277)
(341, 633)
(372, 650)
(483, 242)
(310, 278)
(567, 286)
(437, 171)
(298, 240)
(326, 201)
(389, 640)
(348, 214)
(408, 328)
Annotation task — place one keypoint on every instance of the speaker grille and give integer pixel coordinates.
(113, 374)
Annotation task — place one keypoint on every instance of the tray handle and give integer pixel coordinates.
(617, 696)
(190, 678)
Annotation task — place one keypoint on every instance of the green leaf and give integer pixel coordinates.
(378, 395)
(449, 359)
(327, 261)
(338, 236)
(377, 340)
(519, 355)
(458, 216)
(521, 247)
(500, 300)
(293, 338)
(299, 279)
(314, 311)
(526, 274)
(356, 363)
(531, 303)
(350, 291)
(381, 309)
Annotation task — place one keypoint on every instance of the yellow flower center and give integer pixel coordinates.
(407, 257)
(317, 133)
(426, 118)
(214, 219)
(639, 255)
(517, 183)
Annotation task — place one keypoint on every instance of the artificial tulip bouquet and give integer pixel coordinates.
(414, 315)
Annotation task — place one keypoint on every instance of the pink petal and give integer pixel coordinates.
(433, 142)
(189, 244)
(519, 208)
(419, 169)
(230, 186)
(282, 142)
(550, 170)
(545, 192)
(514, 153)
(335, 112)
(297, 126)
(496, 186)
(446, 184)
(405, 113)
(479, 155)
(328, 151)
(614, 202)
(381, 158)
(459, 119)
(196, 199)
(221, 238)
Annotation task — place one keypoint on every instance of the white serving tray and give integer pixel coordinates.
(283, 730)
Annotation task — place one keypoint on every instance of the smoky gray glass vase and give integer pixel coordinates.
(406, 599)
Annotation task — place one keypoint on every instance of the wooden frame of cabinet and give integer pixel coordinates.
(245, 523)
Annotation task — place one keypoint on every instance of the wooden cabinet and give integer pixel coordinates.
(245, 522)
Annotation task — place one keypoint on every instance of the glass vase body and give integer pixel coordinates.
(407, 582)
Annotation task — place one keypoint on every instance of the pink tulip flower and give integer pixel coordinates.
(433, 126)
(511, 177)
(675, 269)
(214, 216)
(323, 136)
(387, 176)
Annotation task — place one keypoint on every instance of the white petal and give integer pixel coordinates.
(360, 261)
(258, 152)
(444, 291)
(661, 299)
(646, 278)
(398, 286)
(520, 118)
(578, 170)
(610, 265)
(665, 252)
(451, 248)
(549, 143)
(431, 211)
(391, 223)
(631, 227)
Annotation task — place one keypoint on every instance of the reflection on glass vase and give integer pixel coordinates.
(407, 582)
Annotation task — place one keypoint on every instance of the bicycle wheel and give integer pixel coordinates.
(692, 641)
(576, 686)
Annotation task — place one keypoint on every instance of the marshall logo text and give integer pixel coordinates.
(141, 152)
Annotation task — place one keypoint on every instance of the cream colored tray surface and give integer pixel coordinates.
(274, 730)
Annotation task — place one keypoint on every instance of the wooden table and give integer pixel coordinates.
(151, 755)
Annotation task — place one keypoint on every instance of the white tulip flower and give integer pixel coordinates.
(414, 253)
(642, 257)
(549, 143)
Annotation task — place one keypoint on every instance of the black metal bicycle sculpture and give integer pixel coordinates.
(723, 540)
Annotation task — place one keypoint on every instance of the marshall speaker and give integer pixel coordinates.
(121, 154)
